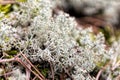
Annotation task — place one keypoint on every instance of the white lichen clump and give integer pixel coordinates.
(17, 75)
(8, 36)
(43, 38)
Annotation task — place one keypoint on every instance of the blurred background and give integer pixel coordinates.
(102, 15)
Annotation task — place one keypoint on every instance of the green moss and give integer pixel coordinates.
(44, 71)
(21, 0)
(108, 33)
(12, 52)
(1, 78)
(78, 41)
(5, 8)
(102, 63)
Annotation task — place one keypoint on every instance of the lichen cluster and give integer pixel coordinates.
(33, 31)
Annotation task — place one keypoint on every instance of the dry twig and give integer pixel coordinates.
(51, 67)
(4, 2)
(101, 70)
(33, 66)
(28, 68)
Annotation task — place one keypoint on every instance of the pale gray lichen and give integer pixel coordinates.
(8, 36)
(17, 75)
(55, 40)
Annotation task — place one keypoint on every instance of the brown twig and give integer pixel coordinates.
(33, 66)
(118, 77)
(22, 63)
(101, 70)
(116, 65)
(28, 68)
(52, 71)
(8, 73)
(28, 73)
(6, 60)
(4, 2)
(9, 60)
(34, 78)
